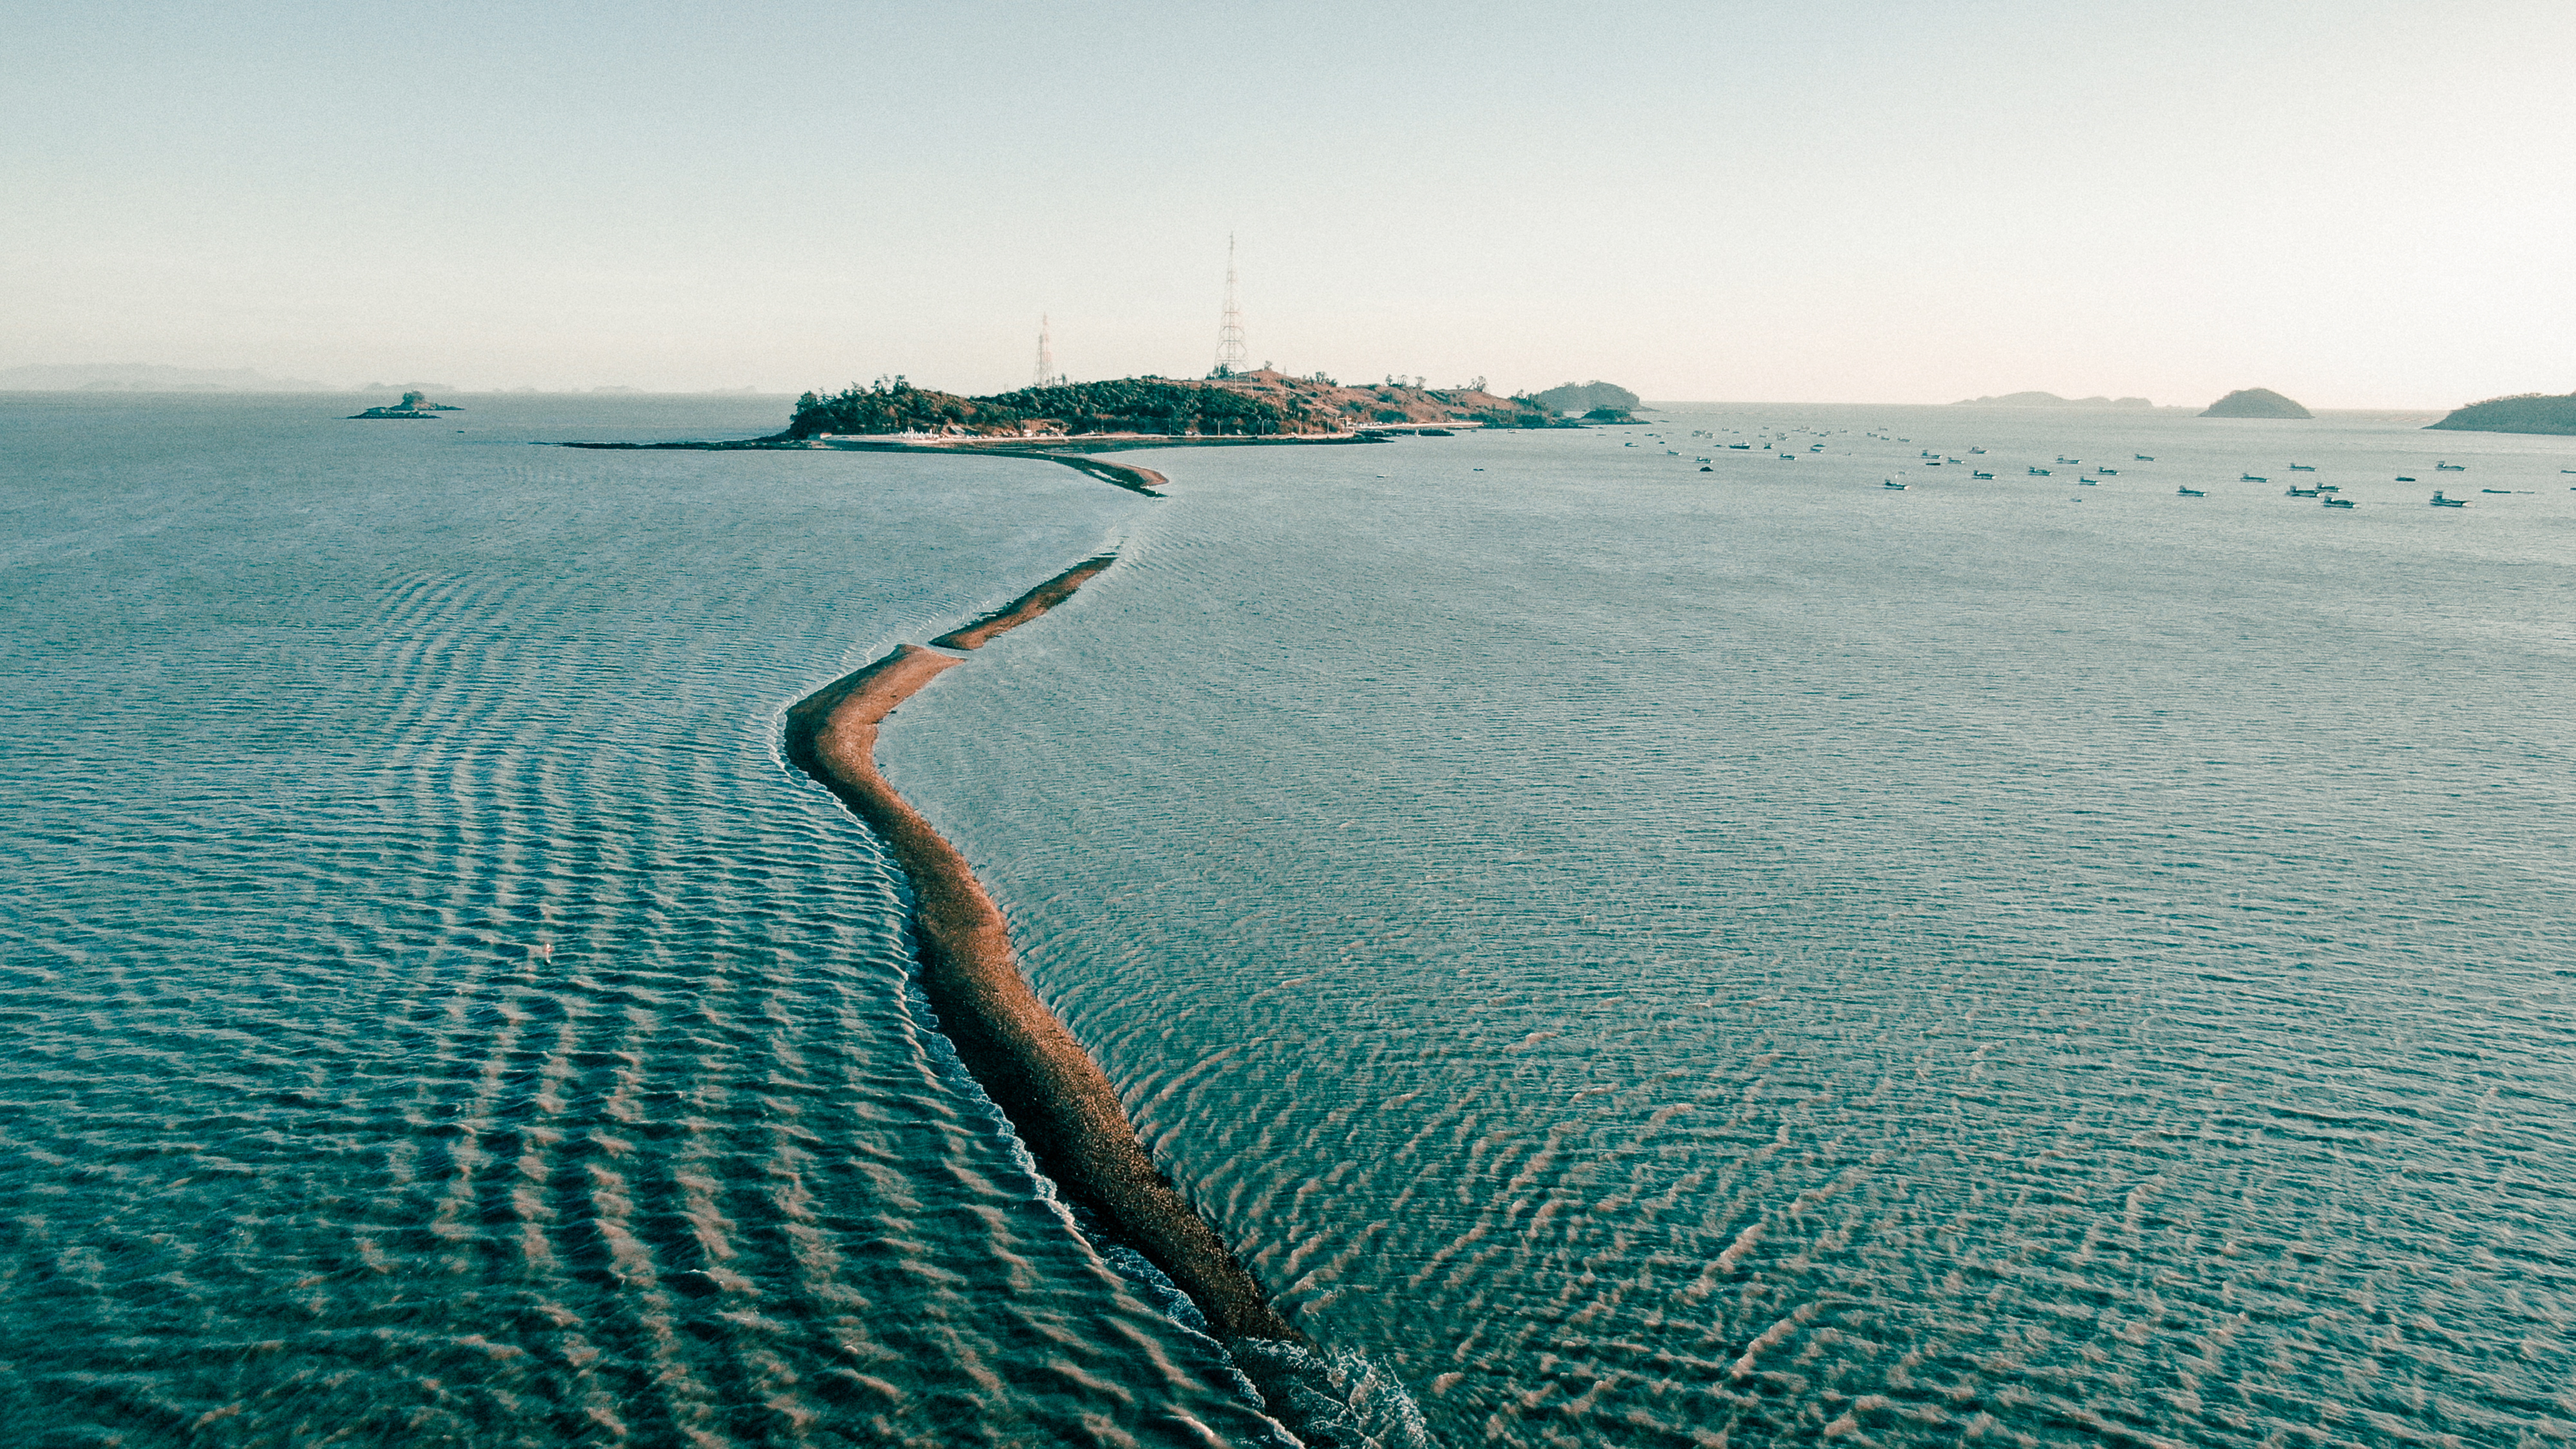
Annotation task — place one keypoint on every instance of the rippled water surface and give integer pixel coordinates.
(1632, 955)
(433, 1013)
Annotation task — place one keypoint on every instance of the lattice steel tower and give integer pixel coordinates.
(1045, 376)
(1231, 353)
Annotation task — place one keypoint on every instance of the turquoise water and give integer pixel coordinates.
(1630, 955)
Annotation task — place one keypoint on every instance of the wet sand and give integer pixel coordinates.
(1026, 607)
(1062, 1105)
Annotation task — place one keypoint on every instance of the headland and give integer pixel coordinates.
(2529, 412)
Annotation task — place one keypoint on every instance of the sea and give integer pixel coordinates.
(1637, 935)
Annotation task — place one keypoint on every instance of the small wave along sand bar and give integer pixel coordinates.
(1057, 1097)
(1026, 607)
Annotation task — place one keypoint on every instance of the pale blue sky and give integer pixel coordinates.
(2367, 204)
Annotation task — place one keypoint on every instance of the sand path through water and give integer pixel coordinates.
(1057, 1097)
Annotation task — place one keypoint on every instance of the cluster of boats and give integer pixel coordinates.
(2329, 495)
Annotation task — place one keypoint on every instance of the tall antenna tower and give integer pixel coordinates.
(1231, 353)
(1045, 376)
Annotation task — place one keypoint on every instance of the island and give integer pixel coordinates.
(1061, 422)
(1589, 398)
(2050, 400)
(2254, 402)
(413, 405)
(1261, 403)
(2524, 412)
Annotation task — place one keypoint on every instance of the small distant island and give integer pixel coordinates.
(2254, 402)
(2050, 400)
(1597, 400)
(2525, 412)
(413, 405)
(1261, 403)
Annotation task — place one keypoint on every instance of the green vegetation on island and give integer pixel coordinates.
(2254, 402)
(1253, 404)
(1588, 397)
(2525, 412)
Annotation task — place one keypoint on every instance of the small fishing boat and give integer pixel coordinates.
(2402, 478)
(1981, 475)
(1704, 470)
(2303, 467)
(1739, 446)
(2495, 490)
(2296, 491)
(2563, 470)
(1892, 483)
(2252, 478)
(2144, 457)
(2039, 472)
(2450, 467)
(2108, 472)
(2190, 493)
(2341, 503)
(2070, 462)
(2329, 488)
(2087, 483)
(2441, 502)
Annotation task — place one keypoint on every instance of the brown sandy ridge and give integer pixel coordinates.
(1055, 1095)
(1026, 607)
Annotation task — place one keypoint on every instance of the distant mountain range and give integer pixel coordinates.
(2050, 400)
(148, 377)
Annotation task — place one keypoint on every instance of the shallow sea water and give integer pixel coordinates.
(434, 1014)
(1754, 956)
(1631, 955)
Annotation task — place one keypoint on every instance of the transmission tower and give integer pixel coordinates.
(1231, 353)
(1045, 376)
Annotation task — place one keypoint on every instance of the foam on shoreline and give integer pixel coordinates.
(1059, 1100)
